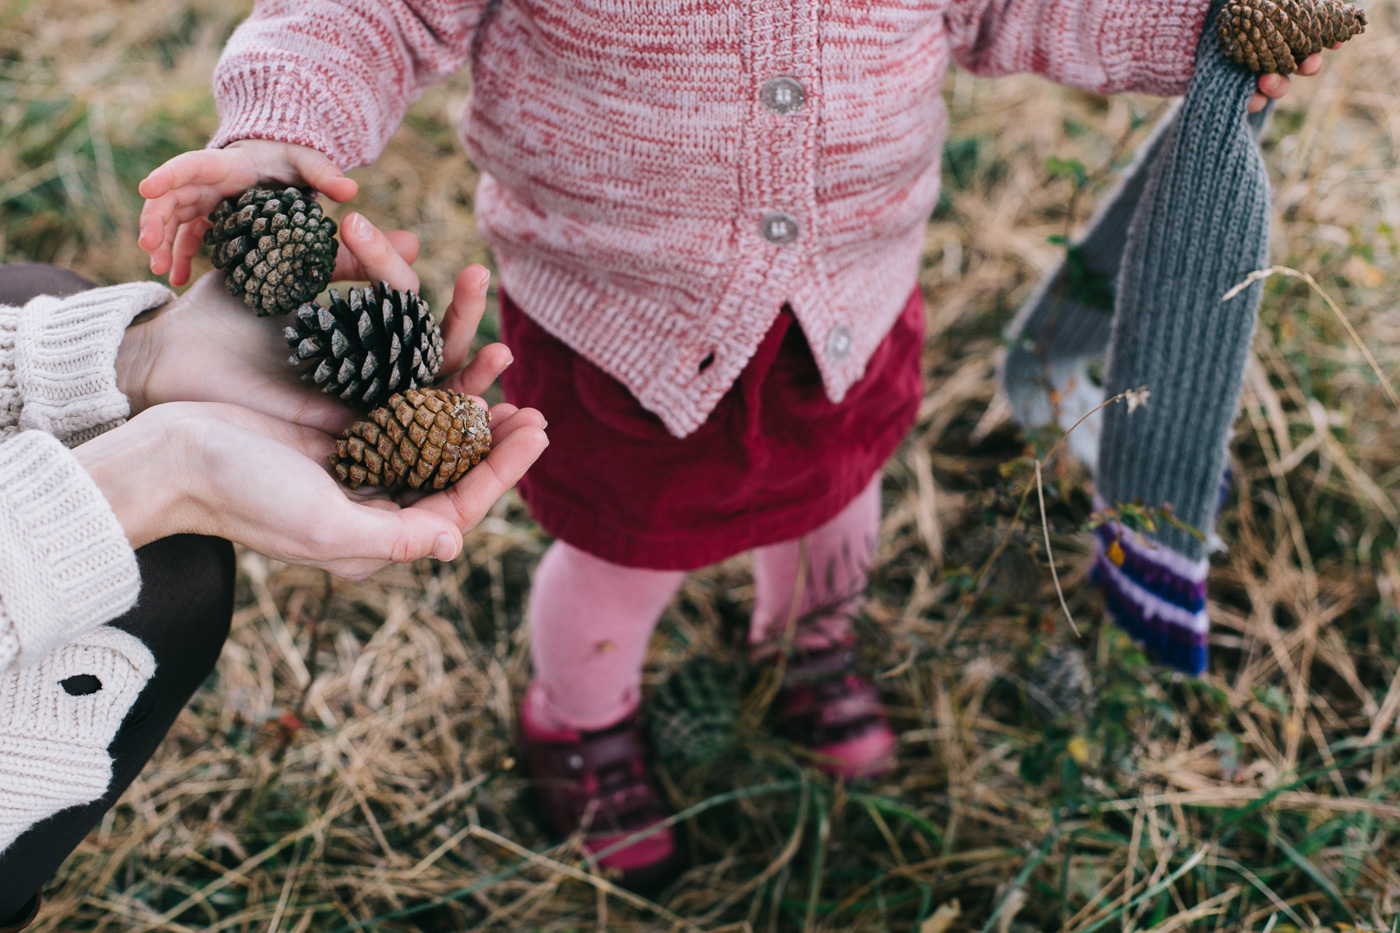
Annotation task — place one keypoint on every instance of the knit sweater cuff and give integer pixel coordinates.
(1151, 46)
(65, 563)
(59, 375)
(1158, 596)
(274, 101)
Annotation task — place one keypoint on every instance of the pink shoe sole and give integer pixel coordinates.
(871, 755)
(644, 865)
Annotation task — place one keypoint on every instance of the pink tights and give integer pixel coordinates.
(591, 621)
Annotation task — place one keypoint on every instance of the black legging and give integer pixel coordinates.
(182, 616)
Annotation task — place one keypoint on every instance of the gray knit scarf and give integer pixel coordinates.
(1189, 222)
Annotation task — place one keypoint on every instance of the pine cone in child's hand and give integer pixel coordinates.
(420, 439)
(276, 247)
(368, 345)
(1274, 36)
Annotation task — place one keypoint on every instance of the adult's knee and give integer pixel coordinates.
(186, 601)
(21, 281)
(182, 616)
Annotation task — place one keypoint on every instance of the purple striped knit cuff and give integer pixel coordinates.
(1155, 594)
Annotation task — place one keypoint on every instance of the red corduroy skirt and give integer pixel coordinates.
(775, 460)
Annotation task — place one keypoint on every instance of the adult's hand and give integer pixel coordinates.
(262, 482)
(207, 346)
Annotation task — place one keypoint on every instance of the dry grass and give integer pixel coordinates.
(1260, 797)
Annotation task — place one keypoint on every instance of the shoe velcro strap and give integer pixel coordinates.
(820, 665)
(600, 750)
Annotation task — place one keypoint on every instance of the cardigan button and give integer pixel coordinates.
(778, 229)
(783, 95)
(838, 345)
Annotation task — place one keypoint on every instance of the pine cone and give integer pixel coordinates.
(692, 715)
(420, 439)
(1060, 683)
(276, 247)
(368, 345)
(1274, 36)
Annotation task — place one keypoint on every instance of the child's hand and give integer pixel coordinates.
(1276, 86)
(181, 193)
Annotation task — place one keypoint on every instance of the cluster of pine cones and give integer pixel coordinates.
(376, 348)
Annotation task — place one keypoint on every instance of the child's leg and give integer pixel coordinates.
(590, 623)
(817, 591)
(807, 590)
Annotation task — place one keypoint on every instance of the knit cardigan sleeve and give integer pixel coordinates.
(58, 359)
(1105, 46)
(337, 75)
(65, 563)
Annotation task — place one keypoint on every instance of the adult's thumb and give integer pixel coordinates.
(412, 534)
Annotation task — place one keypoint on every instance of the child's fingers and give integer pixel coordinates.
(161, 260)
(161, 218)
(224, 168)
(161, 232)
(1274, 86)
(151, 226)
(187, 243)
(322, 174)
(368, 253)
(186, 188)
(463, 315)
(484, 369)
(158, 222)
(181, 190)
(1311, 65)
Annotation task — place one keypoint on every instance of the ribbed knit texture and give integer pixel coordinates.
(1195, 210)
(1066, 323)
(58, 360)
(629, 158)
(1202, 227)
(57, 718)
(65, 563)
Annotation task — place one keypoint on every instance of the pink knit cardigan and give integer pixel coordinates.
(660, 176)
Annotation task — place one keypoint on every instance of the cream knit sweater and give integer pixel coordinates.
(65, 564)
